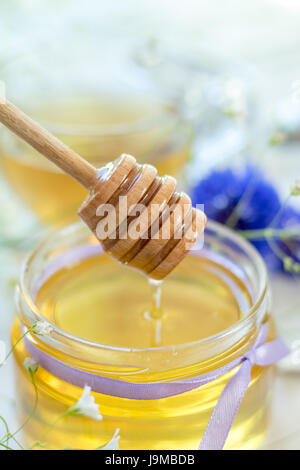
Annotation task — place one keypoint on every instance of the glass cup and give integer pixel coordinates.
(176, 422)
(101, 105)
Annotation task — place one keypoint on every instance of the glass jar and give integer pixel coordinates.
(176, 422)
(101, 105)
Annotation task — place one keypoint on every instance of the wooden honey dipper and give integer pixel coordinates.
(155, 255)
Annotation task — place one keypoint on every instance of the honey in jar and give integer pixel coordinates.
(110, 321)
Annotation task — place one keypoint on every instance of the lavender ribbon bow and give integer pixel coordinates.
(261, 354)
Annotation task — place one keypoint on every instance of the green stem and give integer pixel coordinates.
(5, 439)
(16, 344)
(50, 428)
(36, 397)
(245, 198)
(12, 436)
(260, 234)
(279, 213)
(16, 441)
(5, 446)
(6, 427)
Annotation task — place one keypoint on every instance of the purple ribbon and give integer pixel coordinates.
(261, 354)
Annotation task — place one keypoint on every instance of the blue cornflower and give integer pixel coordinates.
(245, 200)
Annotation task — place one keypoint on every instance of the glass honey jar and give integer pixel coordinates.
(213, 305)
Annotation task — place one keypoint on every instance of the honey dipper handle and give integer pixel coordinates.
(48, 145)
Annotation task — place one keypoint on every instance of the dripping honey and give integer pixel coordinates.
(102, 302)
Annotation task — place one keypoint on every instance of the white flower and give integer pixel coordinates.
(42, 328)
(86, 406)
(30, 365)
(2, 352)
(113, 444)
(295, 189)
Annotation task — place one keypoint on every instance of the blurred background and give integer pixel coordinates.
(207, 91)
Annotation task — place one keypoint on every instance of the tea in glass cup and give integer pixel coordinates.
(98, 115)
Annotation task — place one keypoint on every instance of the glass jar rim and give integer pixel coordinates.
(234, 329)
